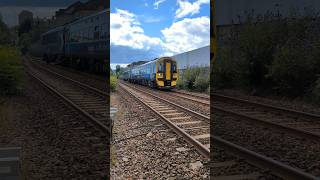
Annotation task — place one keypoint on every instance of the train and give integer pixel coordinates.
(161, 73)
(82, 43)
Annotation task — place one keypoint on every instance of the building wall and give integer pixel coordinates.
(195, 58)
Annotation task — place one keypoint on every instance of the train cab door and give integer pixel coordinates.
(168, 71)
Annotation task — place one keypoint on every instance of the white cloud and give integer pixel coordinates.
(186, 7)
(187, 34)
(151, 19)
(128, 41)
(157, 3)
(125, 30)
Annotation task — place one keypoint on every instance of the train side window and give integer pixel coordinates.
(160, 68)
(96, 32)
(174, 67)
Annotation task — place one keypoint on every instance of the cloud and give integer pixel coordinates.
(125, 30)
(129, 43)
(187, 34)
(186, 7)
(157, 3)
(151, 19)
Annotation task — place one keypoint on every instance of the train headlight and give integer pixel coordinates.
(175, 75)
(160, 75)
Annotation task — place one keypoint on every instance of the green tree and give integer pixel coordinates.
(4, 33)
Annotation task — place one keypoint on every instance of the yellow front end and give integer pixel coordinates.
(165, 78)
(159, 82)
(174, 79)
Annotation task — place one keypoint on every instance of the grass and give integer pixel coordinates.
(113, 83)
(10, 71)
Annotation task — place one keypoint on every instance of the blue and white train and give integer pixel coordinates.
(160, 73)
(82, 43)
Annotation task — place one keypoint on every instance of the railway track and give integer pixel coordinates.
(274, 167)
(277, 168)
(166, 110)
(90, 102)
(192, 126)
(192, 97)
(293, 122)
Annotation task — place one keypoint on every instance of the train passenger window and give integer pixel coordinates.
(174, 67)
(160, 68)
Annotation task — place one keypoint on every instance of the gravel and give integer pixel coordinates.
(158, 153)
(50, 134)
(296, 152)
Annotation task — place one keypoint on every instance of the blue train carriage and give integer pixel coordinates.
(161, 73)
(86, 41)
(53, 44)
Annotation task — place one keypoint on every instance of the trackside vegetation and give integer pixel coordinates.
(271, 55)
(113, 82)
(10, 71)
(194, 79)
(10, 64)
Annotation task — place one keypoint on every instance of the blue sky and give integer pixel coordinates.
(146, 29)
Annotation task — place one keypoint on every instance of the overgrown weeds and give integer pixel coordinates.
(10, 71)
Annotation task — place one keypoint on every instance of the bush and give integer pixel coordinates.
(180, 84)
(196, 78)
(271, 56)
(189, 77)
(10, 71)
(293, 72)
(224, 70)
(201, 83)
(113, 83)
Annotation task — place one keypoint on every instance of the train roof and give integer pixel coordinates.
(87, 17)
(60, 28)
(56, 29)
(157, 59)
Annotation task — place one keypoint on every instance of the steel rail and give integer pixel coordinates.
(200, 147)
(174, 104)
(191, 99)
(293, 131)
(276, 108)
(277, 168)
(182, 96)
(100, 125)
(192, 94)
(74, 81)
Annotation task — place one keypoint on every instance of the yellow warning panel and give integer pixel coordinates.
(168, 71)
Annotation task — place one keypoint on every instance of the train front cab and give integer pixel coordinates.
(167, 73)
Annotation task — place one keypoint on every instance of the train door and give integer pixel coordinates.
(168, 71)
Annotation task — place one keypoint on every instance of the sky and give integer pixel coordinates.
(9, 9)
(147, 29)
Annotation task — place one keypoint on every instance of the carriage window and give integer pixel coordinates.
(174, 67)
(96, 32)
(160, 68)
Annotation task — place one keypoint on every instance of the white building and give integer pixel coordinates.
(195, 58)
